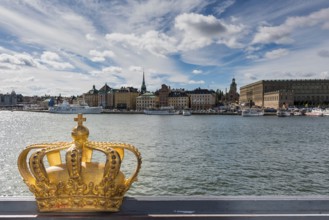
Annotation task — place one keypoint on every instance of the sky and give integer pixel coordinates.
(65, 47)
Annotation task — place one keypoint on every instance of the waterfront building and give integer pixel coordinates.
(202, 99)
(179, 99)
(8, 100)
(311, 92)
(125, 98)
(91, 97)
(163, 95)
(105, 97)
(147, 100)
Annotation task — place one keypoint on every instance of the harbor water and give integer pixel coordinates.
(195, 155)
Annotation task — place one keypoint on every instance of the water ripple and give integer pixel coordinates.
(197, 155)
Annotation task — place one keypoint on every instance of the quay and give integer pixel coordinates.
(188, 207)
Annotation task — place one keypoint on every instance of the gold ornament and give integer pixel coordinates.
(78, 184)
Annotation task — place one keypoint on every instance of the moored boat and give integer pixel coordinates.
(250, 112)
(314, 112)
(166, 110)
(66, 108)
(283, 113)
(326, 112)
(186, 112)
(297, 113)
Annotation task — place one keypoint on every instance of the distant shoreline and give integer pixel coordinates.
(140, 112)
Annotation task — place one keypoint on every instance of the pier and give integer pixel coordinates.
(191, 207)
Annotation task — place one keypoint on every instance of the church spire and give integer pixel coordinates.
(143, 88)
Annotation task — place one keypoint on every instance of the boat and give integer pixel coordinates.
(250, 112)
(166, 110)
(186, 112)
(326, 112)
(283, 113)
(314, 112)
(297, 113)
(66, 108)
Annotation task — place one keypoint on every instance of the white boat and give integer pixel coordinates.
(250, 112)
(314, 112)
(186, 112)
(167, 110)
(66, 108)
(297, 113)
(326, 112)
(283, 113)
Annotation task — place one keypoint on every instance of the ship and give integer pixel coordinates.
(66, 108)
(186, 112)
(252, 112)
(167, 110)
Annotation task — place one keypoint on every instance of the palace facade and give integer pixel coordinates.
(280, 93)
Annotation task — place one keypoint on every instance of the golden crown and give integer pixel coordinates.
(78, 184)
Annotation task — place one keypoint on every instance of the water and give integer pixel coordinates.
(196, 155)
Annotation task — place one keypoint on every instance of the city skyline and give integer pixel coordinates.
(56, 47)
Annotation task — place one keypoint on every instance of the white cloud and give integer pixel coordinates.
(193, 82)
(142, 16)
(325, 26)
(50, 56)
(112, 69)
(20, 79)
(44, 24)
(100, 56)
(323, 53)
(21, 59)
(54, 61)
(324, 75)
(252, 57)
(299, 64)
(282, 34)
(199, 31)
(163, 37)
(154, 42)
(223, 5)
(136, 68)
(8, 66)
(197, 72)
(199, 24)
(275, 54)
(90, 37)
(279, 35)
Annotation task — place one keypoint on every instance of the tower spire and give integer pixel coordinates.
(143, 88)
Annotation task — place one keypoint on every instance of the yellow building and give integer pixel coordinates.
(146, 100)
(178, 99)
(202, 99)
(312, 92)
(125, 98)
(91, 97)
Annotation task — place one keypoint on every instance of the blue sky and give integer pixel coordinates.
(65, 47)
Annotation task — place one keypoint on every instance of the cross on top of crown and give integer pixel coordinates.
(80, 119)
